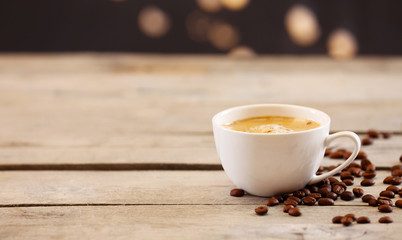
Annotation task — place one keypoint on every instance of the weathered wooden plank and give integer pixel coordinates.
(132, 187)
(195, 221)
(158, 148)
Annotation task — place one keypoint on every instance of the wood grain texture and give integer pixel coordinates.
(195, 222)
(133, 187)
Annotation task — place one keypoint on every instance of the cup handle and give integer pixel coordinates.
(356, 140)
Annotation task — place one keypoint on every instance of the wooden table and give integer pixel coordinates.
(119, 146)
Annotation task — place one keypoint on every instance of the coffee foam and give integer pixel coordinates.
(270, 128)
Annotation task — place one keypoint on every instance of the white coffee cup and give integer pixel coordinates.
(267, 164)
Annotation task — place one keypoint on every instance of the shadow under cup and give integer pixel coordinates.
(266, 164)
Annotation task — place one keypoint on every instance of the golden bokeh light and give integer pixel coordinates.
(210, 5)
(235, 5)
(302, 25)
(242, 52)
(342, 44)
(223, 36)
(153, 22)
(197, 24)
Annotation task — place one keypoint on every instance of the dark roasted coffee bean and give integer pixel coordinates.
(367, 197)
(388, 180)
(351, 215)
(346, 221)
(325, 202)
(336, 155)
(361, 155)
(364, 163)
(398, 203)
(388, 194)
(272, 202)
(367, 141)
(400, 158)
(337, 219)
(342, 150)
(370, 168)
(309, 201)
(373, 202)
(385, 219)
(369, 175)
(327, 152)
(294, 212)
(346, 175)
(323, 183)
(386, 135)
(338, 189)
(315, 195)
(394, 189)
(399, 166)
(367, 182)
(341, 184)
(354, 165)
(287, 207)
(348, 182)
(400, 193)
(237, 192)
(363, 220)
(296, 199)
(373, 133)
(313, 189)
(261, 210)
(347, 196)
(396, 173)
(384, 201)
(324, 190)
(396, 181)
(291, 202)
(306, 191)
(357, 172)
(332, 195)
(286, 195)
(358, 192)
(299, 194)
(385, 208)
(332, 180)
(347, 154)
(278, 197)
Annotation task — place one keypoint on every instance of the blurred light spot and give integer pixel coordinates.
(302, 25)
(235, 5)
(223, 36)
(153, 22)
(242, 52)
(197, 24)
(210, 5)
(342, 44)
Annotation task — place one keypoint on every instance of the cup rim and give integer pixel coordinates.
(219, 114)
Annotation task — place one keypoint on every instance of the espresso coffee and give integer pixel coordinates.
(272, 124)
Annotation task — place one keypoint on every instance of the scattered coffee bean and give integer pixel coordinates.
(370, 168)
(325, 202)
(278, 197)
(306, 191)
(396, 181)
(369, 175)
(367, 197)
(346, 155)
(237, 192)
(346, 175)
(398, 203)
(346, 221)
(361, 155)
(325, 190)
(373, 202)
(338, 189)
(313, 188)
(296, 199)
(294, 212)
(332, 195)
(332, 180)
(384, 200)
(354, 165)
(394, 189)
(351, 215)
(287, 207)
(367, 141)
(396, 172)
(286, 195)
(363, 220)
(385, 208)
(348, 182)
(388, 194)
(261, 210)
(386, 135)
(315, 195)
(373, 133)
(341, 184)
(357, 172)
(272, 202)
(364, 163)
(299, 194)
(388, 180)
(337, 219)
(358, 192)
(399, 166)
(336, 155)
(327, 152)
(367, 182)
(291, 202)
(385, 219)
(400, 193)
(347, 196)
(309, 201)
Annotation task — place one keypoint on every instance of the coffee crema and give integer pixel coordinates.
(272, 124)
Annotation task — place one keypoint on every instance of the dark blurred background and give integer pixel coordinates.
(341, 28)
